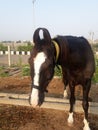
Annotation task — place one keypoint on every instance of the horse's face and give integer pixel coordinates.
(42, 70)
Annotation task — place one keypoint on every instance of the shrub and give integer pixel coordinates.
(25, 48)
(3, 73)
(58, 71)
(95, 77)
(26, 70)
(3, 48)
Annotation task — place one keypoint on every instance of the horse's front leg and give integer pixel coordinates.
(65, 94)
(72, 103)
(86, 88)
(65, 81)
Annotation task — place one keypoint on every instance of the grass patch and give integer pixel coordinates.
(3, 72)
(95, 77)
(25, 70)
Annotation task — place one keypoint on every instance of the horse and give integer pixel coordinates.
(74, 55)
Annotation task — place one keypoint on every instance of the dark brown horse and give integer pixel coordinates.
(75, 56)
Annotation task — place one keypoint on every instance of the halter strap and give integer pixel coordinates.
(35, 86)
(57, 49)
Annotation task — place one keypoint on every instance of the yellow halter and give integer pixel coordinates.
(57, 49)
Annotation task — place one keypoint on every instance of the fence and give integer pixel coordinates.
(10, 57)
(15, 52)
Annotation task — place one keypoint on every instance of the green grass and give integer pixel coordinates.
(3, 73)
(58, 71)
(95, 77)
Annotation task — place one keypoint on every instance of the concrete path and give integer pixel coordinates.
(50, 102)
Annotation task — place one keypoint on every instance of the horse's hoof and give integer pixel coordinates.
(70, 119)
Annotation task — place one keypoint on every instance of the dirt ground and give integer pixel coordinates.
(55, 88)
(28, 118)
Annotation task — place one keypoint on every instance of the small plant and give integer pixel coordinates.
(3, 72)
(58, 71)
(26, 70)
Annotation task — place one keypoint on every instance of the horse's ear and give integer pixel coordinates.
(36, 37)
(46, 35)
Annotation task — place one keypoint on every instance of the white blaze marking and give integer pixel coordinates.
(70, 118)
(86, 125)
(34, 97)
(38, 61)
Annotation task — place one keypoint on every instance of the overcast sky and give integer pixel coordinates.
(63, 17)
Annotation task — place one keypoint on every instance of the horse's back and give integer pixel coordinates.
(80, 55)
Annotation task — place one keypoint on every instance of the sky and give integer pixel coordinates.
(19, 18)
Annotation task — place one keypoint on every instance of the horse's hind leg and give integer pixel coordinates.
(72, 103)
(86, 88)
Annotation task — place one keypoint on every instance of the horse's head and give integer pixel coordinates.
(42, 66)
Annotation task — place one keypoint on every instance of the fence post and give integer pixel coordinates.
(9, 56)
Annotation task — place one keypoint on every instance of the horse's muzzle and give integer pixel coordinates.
(36, 98)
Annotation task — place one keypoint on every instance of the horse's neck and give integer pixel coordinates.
(64, 52)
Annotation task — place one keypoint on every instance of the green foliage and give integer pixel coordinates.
(2, 47)
(3, 73)
(58, 71)
(25, 48)
(26, 70)
(95, 47)
(95, 77)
